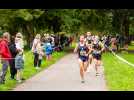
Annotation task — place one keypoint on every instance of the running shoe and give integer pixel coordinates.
(88, 70)
(97, 74)
(37, 68)
(82, 81)
(23, 79)
(19, 81)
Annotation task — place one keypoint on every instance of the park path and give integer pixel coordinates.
(64, 76)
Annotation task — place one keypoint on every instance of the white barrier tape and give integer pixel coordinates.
(10, 58)
(6, 58)
(120, 58)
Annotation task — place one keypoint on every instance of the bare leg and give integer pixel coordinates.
(18, 75)
(89, 62)
(85, 66)
(98, 64)
(91, 58)
(81, 69)
(47, 57)
(50, 57)
(95, 65)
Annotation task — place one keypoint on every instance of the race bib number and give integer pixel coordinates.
(83, 53)
(97, 52)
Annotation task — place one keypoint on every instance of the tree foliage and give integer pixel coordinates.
(33, 21)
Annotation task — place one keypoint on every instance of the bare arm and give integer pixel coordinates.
(90, 49)
(102, 47)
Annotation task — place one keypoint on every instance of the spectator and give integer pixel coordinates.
(126, 42)
(107, 43)
(48, 50)
(19, 61)
(118, 42)
(40, 53)
(36, 44)
(122, 39)
(13, 51)
(114, 44)
(52, 42)
(5, 55)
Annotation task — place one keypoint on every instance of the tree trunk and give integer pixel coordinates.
(126, 28)
(30, 35)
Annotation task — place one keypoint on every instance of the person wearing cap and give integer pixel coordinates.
(5, 55)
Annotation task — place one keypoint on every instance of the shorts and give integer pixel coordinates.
(97, 56)
(19, 62)
(48, 53)
(83, 58)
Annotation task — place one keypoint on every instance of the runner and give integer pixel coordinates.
(89, 43)
(97, 51)
(82, 50)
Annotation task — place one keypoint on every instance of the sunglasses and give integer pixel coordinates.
(18, 36)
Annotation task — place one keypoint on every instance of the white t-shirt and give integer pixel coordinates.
(19, 45)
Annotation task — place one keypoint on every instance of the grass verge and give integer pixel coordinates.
(29, 70)
(119, 76)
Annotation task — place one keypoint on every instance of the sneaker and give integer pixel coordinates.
(97, 74)
(23, 79)
(83, 81)
(11, 78)
(36, 67)
(19, 81)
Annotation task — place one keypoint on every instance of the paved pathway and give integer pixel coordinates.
(64, 76)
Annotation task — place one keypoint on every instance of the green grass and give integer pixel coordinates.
(131, 46)
(127, 56)
(73, 45)
(119, 76)
(29, 70)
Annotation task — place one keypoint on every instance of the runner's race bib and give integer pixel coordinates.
(96, 52)
(83, 52)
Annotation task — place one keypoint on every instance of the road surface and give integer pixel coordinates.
(64, 76)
